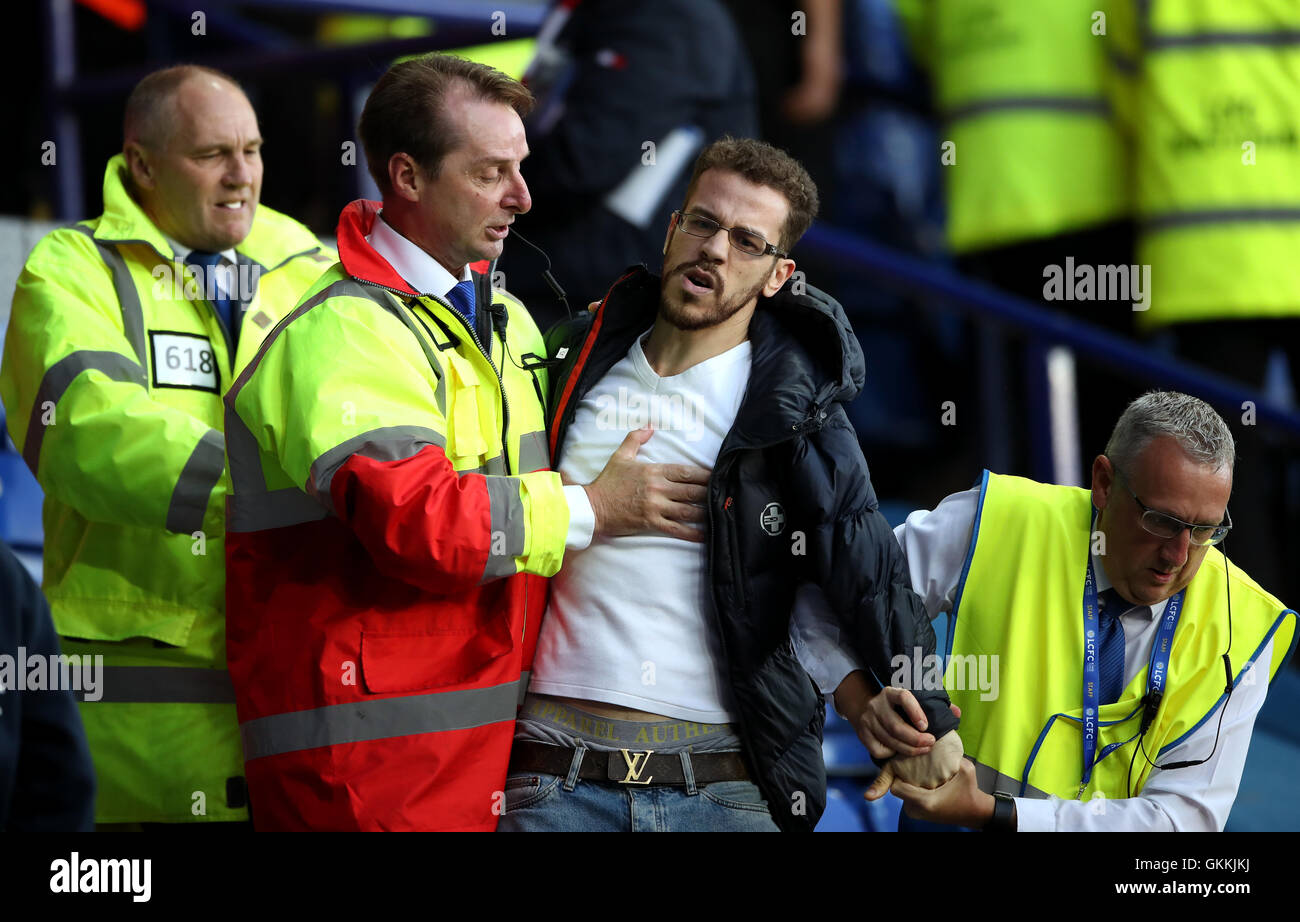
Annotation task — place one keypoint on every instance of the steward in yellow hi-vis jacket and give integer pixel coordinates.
(1030, 145)
(391, 518)
(114, 367)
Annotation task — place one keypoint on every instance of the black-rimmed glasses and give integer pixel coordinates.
(748, 242)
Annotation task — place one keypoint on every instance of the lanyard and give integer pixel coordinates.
(1157, 672)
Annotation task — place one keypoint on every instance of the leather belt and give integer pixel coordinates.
(627, 766)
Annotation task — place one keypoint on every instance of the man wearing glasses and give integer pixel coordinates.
(665, 692)
(1133, 655)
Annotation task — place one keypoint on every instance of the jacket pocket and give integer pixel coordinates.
(404, 662)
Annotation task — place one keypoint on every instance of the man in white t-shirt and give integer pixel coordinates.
(665, 691)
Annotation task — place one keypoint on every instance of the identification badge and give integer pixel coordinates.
(184, 360)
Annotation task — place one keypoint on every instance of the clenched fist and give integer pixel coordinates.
(929, 771)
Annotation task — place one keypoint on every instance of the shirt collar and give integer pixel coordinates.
(420, 270)
(182, 251)
(1148, 612)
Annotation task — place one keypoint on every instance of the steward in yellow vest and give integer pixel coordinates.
(1129, 657)
(1029, 741)
(114, 367)
(1216, 135)
(1029, 144)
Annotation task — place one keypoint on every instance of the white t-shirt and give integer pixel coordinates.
(629, 621)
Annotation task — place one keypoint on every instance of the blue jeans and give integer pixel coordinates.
(550, 803)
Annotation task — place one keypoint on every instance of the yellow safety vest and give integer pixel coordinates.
(1021, 88)
(112, 379)
(1021, 599)
(1218, 159)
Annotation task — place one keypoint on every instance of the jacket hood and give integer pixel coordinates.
(818, 325)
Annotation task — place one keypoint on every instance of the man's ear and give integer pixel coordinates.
(668, 238)
(780, 274)
(1103, 480)
(137, 161)
(405, 176)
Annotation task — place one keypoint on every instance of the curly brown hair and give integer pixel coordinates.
(764, 165)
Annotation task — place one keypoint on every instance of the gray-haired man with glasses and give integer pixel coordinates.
(1129, 656)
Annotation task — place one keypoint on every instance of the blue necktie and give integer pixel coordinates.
(1110, 661)
(206, 263)
(462, 298)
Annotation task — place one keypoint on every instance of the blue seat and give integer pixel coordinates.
(841, 815)
(845, 755)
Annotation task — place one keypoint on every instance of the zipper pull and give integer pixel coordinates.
(726, 506)
(812, 422)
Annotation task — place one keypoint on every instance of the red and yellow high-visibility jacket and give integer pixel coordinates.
(390, 522)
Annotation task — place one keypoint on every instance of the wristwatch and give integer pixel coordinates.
(1004, 814)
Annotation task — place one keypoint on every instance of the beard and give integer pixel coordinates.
(688, 311)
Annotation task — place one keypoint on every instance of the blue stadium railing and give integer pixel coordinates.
(856, 256)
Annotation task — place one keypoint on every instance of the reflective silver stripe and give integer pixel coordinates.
(1075, 105)
(496, 465)
(245, 457)
(1278, 38)
(194, 487)
(390, 443)
(245, 460)
(534, 453)
(990, 779)
(128, 298)
(276, 509)
(507, 528)
(361, 721)
(59, 377)
(169, 684)
(1220, 216)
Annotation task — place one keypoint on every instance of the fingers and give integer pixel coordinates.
(687, 473)
(907, 792)
(635, 439)
(902, 698)
(956, 711)
(882, 783)
(686, 492)
(878, 750)
(593, 306)
(680, 530)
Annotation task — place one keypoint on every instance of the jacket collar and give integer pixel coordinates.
(804, 355)
(124, 221)
(358, 257)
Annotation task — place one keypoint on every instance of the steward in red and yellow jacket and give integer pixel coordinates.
(390, 522)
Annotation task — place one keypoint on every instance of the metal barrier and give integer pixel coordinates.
(1046, 331)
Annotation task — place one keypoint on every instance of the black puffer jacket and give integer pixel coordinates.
(790, 501)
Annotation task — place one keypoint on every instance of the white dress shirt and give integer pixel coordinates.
(428, 276)
(935, 545)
